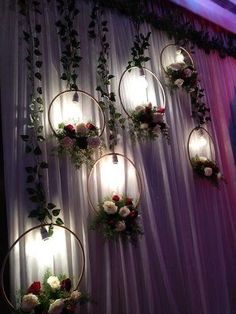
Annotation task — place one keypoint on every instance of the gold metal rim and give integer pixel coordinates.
(82, 92)
(181, 48)
(136, 171)
(193, 130)
(147, 70)
(11, 306)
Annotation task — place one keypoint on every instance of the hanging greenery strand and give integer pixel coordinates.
(70, 58)
(98, 28)
(44, 211)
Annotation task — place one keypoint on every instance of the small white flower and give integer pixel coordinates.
(124, 211)
(120, 226)
(56, 307)
(202, 158)
(143, 126)
(207, 171)
(28, 302)
(81, 128)
(94, 142)
(75, 295)
(179, 82)
(219, 176)
(54, 282)
(139, 108)
(110, 207)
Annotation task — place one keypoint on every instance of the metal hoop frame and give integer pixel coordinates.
(2, 289)
(74, 91)
(147, 70)
(181, 48)
(189, 137)
(137, 174)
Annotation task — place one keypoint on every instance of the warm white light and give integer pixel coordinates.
(179, 57)
(142, 82)
(113, 176)
(198, 143)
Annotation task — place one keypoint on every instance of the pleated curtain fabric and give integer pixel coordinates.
(185, 261)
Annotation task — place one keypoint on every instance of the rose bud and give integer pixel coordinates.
(133, 214)
(66, 284)
(115, 198)
(148, 109)
(35, 288)
(69, 128)
(161, 110)
(90, 126)
(129, 201)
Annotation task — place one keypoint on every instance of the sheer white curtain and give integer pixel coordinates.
(184, 263)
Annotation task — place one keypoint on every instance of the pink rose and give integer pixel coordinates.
(66, 142)
(94, 142)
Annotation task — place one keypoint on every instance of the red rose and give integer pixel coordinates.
(161, 110)
(128, 201)
(35, 288)
(90, 126)
(148, 109)
(116, 198)
(133, 214)
(69, 128)
(66, 284)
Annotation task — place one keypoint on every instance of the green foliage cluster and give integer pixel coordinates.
(70, 58)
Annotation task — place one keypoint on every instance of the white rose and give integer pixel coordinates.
(28, 302)
(110, 207)
(219, 176)
(56, 307)
(120, 226)
(202, 158)
(81, 128)
(94, 142)
(75, 295)
(139, 108)
(124, 211)
(179, 82)
(144, 126)
(207, 171)
(175, 66)
(54, 282)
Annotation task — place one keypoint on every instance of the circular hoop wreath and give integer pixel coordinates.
(139, 182)
(145, 70)
(11, 306)
(79, 92)
(186, 54)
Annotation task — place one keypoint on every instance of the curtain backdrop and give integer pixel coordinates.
(185, 261)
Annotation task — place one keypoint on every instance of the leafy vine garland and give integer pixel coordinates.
(98, 28)
(45, 211)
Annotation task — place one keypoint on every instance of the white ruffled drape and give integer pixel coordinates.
(185, 261)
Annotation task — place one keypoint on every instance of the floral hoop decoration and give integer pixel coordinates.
(143, 99)
(178, 66)
(116, 214)
(201, 153)
(77, 136)
(54, 294)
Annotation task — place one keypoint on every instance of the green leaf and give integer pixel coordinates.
(56, 212)
(51, 206)
(25, 138)
(40, 138)
(43, 165)
(34, 199)
(34, 213)
(38, 75)
(37, 151)
(30, 179)
(31, 191)
(39, 100)
(40, 129)
(38, 28)
(28, 149)
(38, 64)
(59, 222)
(39, 90)
(29, 169)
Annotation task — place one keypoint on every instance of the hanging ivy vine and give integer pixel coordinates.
(44, 211)
(98, 28)
(70, 58)
(170, 21)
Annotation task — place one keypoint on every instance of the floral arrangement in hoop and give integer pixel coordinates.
(118, 216)
(53, 296)
(79, 141)
(206, 168)
(181, 74)
(148, 122)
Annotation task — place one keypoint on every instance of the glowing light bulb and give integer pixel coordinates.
(199, 143)
(179, 57)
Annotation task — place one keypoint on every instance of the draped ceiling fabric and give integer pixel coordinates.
(185, 261)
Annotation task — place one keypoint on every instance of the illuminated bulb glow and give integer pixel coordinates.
(142, 82)
(179, 57)
(198, 143)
